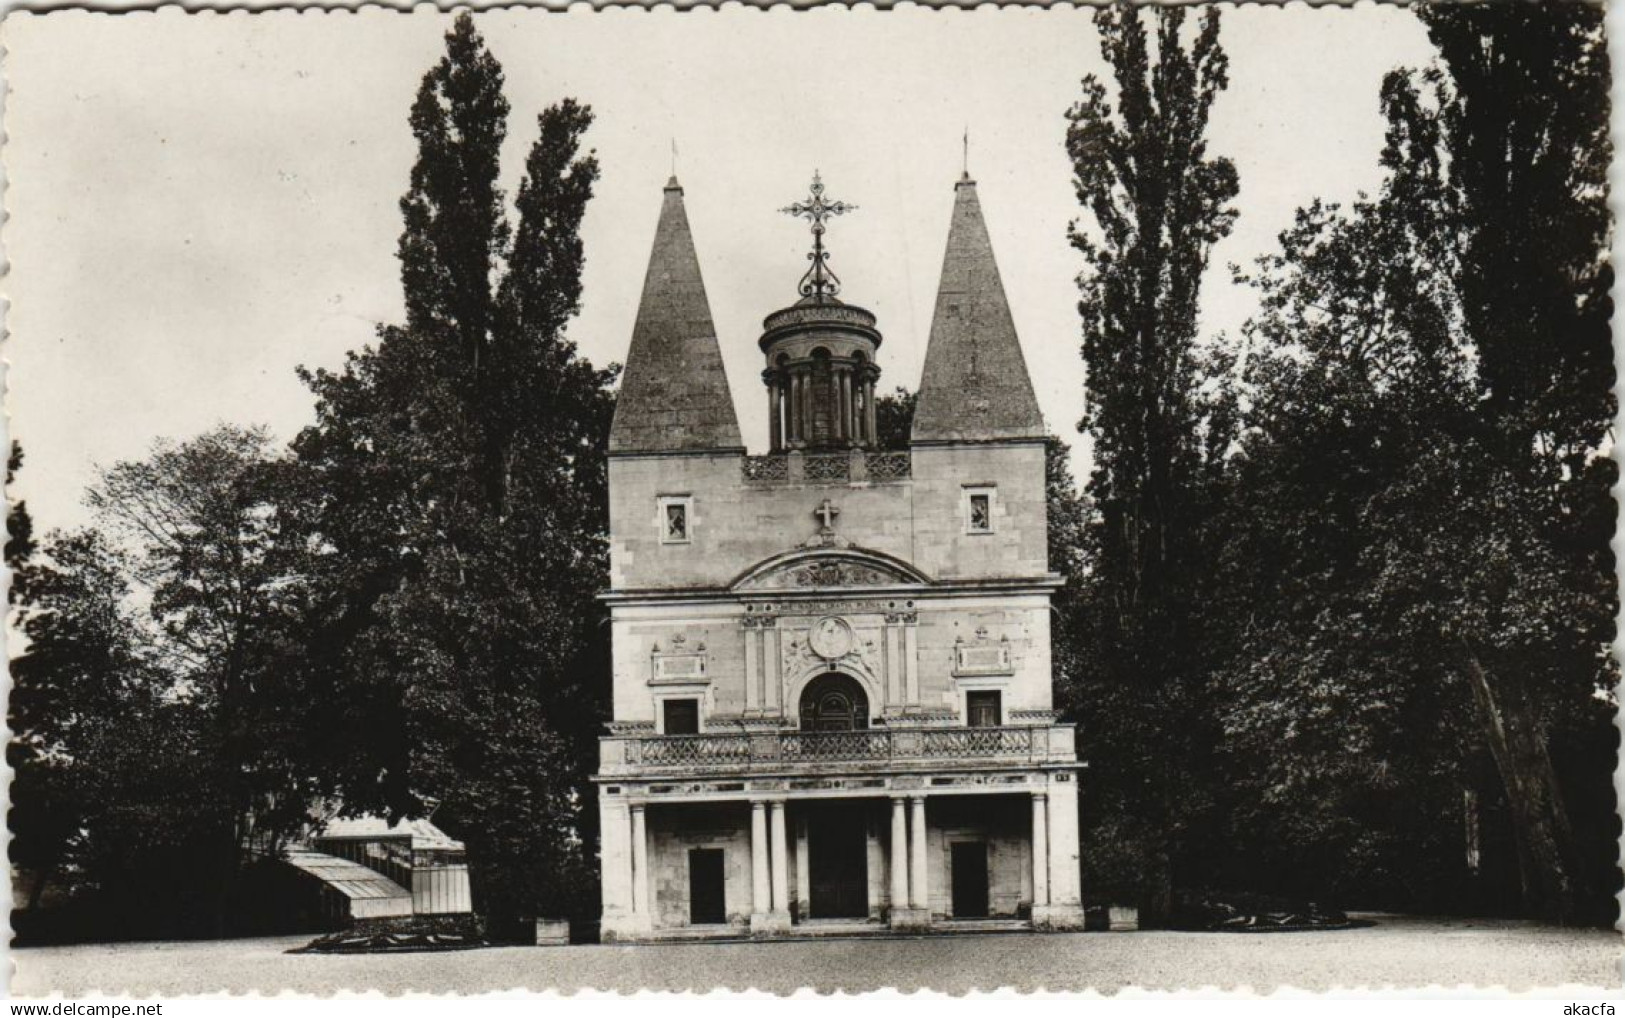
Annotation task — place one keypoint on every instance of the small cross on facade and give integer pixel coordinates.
(827, 512)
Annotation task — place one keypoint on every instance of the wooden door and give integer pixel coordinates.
(705, 884)
(838, 865)
(969, 879)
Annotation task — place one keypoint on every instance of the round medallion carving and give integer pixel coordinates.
(830, 638)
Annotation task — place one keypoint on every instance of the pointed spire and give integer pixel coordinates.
(975, 387)
(674, 392)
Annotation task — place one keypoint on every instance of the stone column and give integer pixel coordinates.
(640, 864)
(918, 894)
(869, 409)
(837, 418)
(809, 396)
(760, 901)
(899, 854)
(792, 419)
(781, 861)
(855, 383)
(1040, 849)
(775, 399)
(802, 891)
(845, 404)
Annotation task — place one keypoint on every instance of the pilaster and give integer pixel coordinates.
(1065, 908)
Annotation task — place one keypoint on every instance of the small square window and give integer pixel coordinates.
(680, 717)
(982, 708)
(676, 522)
(979, 510)
(981, 514)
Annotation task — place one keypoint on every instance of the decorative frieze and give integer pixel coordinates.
(888, 466)
(828, 606)
(1034, 717)
(831, 569)
(763, 469)
(811, 786)
(837, 467)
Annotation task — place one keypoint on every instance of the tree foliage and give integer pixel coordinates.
(894, 418)
(1417, 523)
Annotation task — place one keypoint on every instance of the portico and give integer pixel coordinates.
(863, 846)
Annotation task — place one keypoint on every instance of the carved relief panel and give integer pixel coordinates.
(680, 661)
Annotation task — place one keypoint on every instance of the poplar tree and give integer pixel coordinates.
(456, 473)
(1157, 201)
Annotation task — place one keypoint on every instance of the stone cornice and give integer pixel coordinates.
(939, 590)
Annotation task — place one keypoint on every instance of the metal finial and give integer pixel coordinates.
(819, 280)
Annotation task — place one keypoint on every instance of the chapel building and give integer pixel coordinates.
(832, 684)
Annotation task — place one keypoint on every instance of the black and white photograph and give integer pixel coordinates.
(1096, 499)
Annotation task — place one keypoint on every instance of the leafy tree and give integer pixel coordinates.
(1453, 590)
(69, 688)
(894, 418)
(1521, 107)
(156, 738)
(19, 524)
(1067, 517)
(219, 690)
(456, 479)
(1354, 370)
(1158, 202)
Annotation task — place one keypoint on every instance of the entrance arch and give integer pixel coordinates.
(834, 703)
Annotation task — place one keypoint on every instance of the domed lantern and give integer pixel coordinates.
(820, 353)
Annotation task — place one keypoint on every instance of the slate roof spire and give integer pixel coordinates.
(674, 392)
(975, 387)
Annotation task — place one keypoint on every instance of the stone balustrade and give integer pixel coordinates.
(882, 748)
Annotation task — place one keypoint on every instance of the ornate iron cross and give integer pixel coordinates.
(819, 280)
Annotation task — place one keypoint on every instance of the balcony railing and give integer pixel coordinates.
(877, 746)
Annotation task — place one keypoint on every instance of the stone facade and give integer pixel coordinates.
(832, 678)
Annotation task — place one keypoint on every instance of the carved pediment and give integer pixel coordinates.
(821, 568)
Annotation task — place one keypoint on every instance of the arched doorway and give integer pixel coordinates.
(834, 703)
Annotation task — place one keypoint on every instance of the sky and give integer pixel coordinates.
(198, 203)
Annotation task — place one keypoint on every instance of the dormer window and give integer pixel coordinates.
(978, 509)
(676, 519)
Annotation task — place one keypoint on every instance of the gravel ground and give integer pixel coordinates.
(1397, 952)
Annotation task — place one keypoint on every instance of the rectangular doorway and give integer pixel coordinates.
(705, 899)
(837, 863)
(970, 879)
